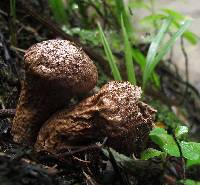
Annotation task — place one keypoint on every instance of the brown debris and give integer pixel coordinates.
(114, 112)
(7, 113)
(55, 69)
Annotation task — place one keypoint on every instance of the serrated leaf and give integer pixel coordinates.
(180, 131)
(150, 153)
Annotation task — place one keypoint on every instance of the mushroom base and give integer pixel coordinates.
(62, 133)
(38, 100)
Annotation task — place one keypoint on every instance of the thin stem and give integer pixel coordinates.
(181, 155)
(186, 63)
(13, 22)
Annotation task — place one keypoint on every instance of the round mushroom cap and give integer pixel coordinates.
(62, 62)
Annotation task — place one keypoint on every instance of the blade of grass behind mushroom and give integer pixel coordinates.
(128, 54)
(153, 49)
(153, 58)
(111, 59)
(58, 10)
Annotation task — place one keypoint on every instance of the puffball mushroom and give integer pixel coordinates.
(55, 70)
(114, 112)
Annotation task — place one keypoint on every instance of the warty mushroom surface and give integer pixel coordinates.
(55, 70)
(114, 112)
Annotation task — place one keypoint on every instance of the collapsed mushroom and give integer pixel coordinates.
(55, 69)
(114, 112)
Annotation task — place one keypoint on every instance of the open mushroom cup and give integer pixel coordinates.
(115, 113)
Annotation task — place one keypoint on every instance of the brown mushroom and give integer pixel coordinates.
(55, 69)
(114, 112)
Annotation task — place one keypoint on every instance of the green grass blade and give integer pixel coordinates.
(128, 55)
(139, 58)
(177, 19)
(13, 22)
(188, 35)
(166, 48)
(157, 41)
(111, 59)
(121, 9)
(155, 44)
(58, 10)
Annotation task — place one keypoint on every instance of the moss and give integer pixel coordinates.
(165, 115)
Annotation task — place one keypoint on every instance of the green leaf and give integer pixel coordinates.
(85, 35)
(190, 150)
(111, 59)
(193, 162)
(150, 153)
(165, 141)
(155, 44)
(188, 35)
(180, 131)
(176, 15)
(139, 5)
(150, 19)
(189, 182)
(178, 18)
(191, 37)
(128, 55)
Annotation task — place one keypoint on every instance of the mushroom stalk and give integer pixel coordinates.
(38, 100)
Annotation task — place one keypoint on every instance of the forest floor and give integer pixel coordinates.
(22, 165)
